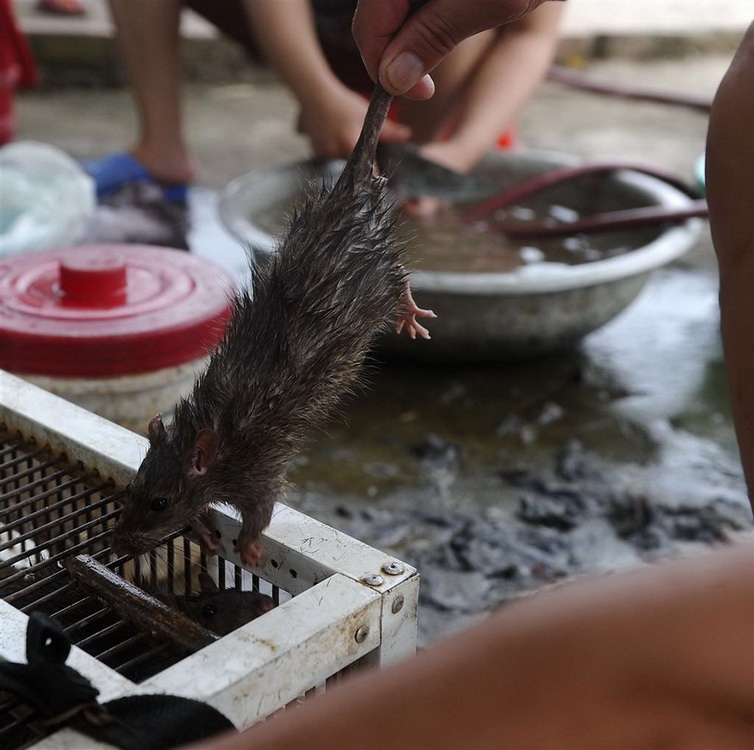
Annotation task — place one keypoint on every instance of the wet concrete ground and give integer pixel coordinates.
(501, 479)
(497, 480)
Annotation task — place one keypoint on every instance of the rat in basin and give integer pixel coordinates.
(295, 344)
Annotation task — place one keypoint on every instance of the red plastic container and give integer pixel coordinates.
(127, 326)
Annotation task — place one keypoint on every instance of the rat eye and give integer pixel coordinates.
(159, 503)
(210, 610)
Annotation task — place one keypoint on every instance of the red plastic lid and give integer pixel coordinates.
(104, 310)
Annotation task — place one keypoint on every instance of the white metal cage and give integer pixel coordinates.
(341, 603)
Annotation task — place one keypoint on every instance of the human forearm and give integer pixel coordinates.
(730, 194)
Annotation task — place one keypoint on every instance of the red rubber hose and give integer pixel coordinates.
(572, 78)
(613, 220)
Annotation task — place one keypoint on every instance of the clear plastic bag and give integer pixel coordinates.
(46, 198)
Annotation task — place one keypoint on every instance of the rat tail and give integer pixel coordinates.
(361, 162)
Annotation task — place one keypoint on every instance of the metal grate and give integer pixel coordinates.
(342, 604)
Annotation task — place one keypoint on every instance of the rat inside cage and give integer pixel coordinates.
(319, 603)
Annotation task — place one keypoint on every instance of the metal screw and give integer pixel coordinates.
(373, 580)
(397, 605)
(361, 634)
(393, 568)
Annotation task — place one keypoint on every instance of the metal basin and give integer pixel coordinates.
(536, 308)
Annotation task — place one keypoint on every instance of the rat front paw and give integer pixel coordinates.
(207, 537)
(210, 546)
(250, 553)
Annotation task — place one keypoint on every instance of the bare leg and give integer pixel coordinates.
(429, 119)
(481, 87)
(730, 195)
(149, 43)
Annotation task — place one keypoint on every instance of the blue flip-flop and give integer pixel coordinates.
(115, 171)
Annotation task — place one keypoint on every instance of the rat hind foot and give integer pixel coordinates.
(409, 314)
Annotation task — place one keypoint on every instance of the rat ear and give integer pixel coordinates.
(205, 451)
(156, 428)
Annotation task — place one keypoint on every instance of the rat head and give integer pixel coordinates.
(222, 611)
(168, 490)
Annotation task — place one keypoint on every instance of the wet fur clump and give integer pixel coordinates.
(294, 346)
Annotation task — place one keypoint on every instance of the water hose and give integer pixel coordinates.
(568, 77)
(612, 220)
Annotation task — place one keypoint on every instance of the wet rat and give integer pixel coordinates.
(294, 346)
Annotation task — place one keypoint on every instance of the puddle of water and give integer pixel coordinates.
(619, 453)
(662, 349)
(657, 363)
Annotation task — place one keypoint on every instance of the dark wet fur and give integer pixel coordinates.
(294, 346)
(222, 611)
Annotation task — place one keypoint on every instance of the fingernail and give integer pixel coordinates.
(403, 72)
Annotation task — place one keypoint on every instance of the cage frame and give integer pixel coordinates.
(353, 606)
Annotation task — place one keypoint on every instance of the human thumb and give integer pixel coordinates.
(432, 32)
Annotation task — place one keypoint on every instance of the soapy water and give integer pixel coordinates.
(445, 241)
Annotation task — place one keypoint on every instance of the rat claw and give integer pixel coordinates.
(209, 548)
(251, 554)
(421, 330)
(413, 327)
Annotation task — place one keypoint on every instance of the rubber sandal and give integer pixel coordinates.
(116, 171)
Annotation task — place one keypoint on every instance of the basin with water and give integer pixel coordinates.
(497, 299)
